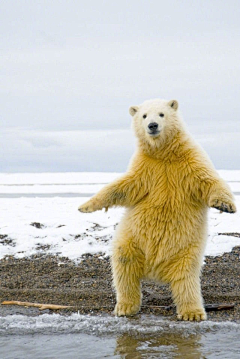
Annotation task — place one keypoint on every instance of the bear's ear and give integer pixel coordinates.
(173, 104)
(133, 110)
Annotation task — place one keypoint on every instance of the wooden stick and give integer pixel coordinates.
(37, 305)
(215, 307)
(208, 307)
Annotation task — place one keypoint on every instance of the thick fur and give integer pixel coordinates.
(167, 190)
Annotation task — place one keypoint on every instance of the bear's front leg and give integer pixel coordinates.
(127, 267)
(115, 193)
(188, 299)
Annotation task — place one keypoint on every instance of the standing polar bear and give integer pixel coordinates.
(167, 190)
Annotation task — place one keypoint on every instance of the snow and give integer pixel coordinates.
(52, 199)
(65, 231)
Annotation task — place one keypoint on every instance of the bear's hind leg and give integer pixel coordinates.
(186, 291)
(127, 267)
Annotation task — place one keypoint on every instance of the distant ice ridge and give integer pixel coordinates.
(106, 324)
(48, 221)
(57, 178)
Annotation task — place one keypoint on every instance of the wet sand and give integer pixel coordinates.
(87, 286)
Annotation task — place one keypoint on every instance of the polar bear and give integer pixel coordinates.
(167, 189)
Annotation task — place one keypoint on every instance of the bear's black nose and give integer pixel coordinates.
(153, 126)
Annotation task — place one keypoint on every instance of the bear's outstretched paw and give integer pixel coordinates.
(224, 206)
(193, 315)
(89, 206)
(128, 310)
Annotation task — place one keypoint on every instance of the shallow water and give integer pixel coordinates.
(84, 336)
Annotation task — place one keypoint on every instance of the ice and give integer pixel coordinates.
(106, 324)
(57, 178)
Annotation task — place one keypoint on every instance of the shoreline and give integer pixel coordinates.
(87, 286)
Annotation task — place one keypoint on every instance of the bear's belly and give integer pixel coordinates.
(164, 229)
(165, 235)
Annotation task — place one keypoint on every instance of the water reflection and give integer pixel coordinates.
(159, 346)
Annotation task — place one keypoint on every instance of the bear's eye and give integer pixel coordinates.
(144, 116)
(161, 114)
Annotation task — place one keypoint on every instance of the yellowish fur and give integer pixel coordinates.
(167, 190)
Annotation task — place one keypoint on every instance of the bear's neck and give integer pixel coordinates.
(170, 148)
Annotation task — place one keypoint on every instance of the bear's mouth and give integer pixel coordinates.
(154, 133)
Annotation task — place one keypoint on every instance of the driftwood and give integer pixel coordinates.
(37, 305)
(215, 307)
(208, 307)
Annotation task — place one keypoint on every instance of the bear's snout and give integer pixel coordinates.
(153, 128)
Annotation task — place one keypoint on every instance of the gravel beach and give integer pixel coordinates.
(87, 286)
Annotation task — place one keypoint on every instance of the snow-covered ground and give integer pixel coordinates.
(38, 213)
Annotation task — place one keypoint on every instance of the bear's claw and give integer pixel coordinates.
(193, 316)
(89, 206)
(224, 207)
(84, 209)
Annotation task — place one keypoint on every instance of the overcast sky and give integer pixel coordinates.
(71, 69)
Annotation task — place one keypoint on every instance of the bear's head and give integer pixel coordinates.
(156, 121)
